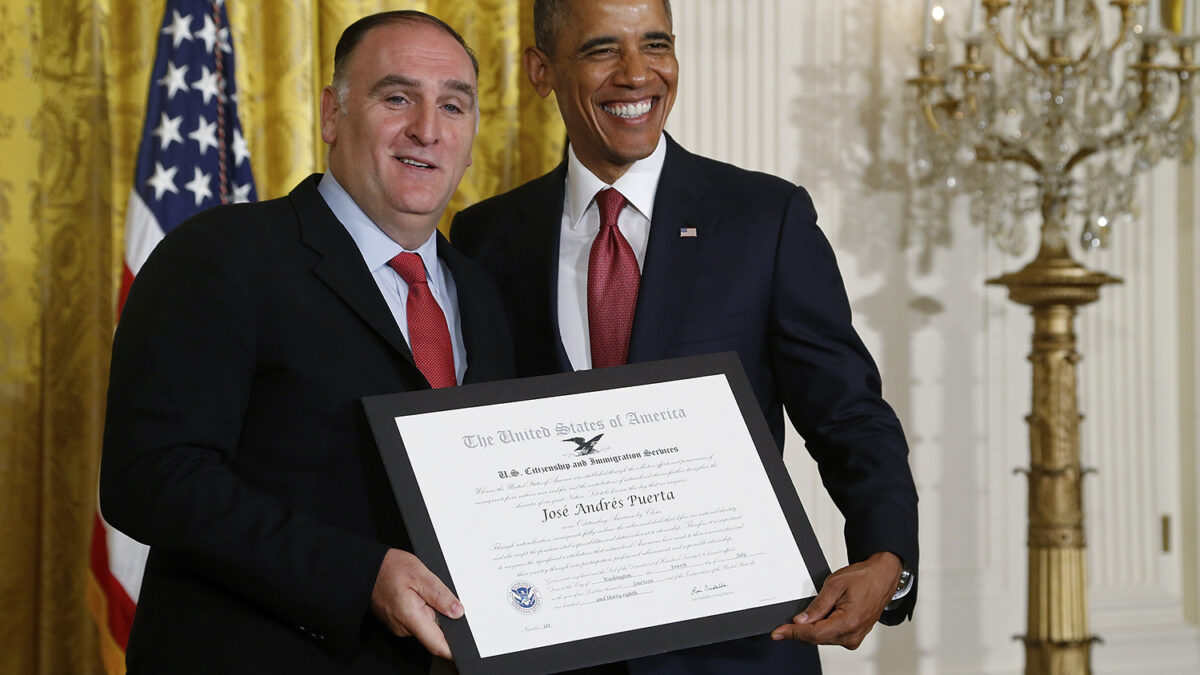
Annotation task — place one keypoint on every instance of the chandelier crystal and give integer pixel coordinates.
(1053, 111)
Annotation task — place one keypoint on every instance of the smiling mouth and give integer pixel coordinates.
(628, 111)
(413, 162)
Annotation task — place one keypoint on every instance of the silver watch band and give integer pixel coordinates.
(903, 587)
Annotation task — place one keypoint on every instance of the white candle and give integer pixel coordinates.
(1060, 13)
(1154, 16)
(1188, 25)
(927, 36)
(973, 18)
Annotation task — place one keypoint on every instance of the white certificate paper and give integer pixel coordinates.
(576, 516)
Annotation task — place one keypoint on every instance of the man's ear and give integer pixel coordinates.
(537, 67)
(330, 109)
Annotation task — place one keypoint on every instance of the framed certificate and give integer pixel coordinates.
(601, 515)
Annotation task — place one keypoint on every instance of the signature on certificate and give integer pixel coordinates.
(710, 590)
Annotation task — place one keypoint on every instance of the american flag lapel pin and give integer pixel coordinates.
(687, 232)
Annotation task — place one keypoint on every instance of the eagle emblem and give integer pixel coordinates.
(584, 447)
(524, 597)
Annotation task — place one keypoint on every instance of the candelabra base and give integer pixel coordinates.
(1058, 657)
(1054, 278)
(1058, 641)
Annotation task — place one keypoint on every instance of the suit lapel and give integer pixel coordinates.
(536, 248)
(670, 259)
(476, 330)
(341, 266)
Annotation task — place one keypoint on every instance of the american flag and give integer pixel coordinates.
(192, 156)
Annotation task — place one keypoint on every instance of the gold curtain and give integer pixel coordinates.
(74, 76)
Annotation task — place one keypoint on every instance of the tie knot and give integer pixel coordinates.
(409, 266)
(610, 202)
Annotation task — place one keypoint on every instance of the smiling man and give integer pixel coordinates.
(634, 249)
(236, 445)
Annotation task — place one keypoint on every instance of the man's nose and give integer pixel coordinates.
(633, 71)
(423, 125)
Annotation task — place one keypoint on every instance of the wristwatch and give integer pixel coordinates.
(902, 588)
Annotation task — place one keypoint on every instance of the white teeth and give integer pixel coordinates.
(628, 110)
(414, 162)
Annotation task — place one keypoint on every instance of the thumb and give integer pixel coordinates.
(437, 595)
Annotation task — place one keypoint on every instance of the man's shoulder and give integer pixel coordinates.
(516, 213)
(252, 219)
(724, 176)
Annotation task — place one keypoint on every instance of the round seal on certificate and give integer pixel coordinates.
(524, 597)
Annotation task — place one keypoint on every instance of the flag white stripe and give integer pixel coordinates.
(142, 233)
(126, 560)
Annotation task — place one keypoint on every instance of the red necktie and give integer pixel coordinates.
(427, 333)
(613, 280)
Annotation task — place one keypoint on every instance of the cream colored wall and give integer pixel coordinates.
(814, 91)
(1189, 357)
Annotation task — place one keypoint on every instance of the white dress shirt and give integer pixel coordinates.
(581, 224)
(377, 248)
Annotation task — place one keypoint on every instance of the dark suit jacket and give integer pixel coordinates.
(237, 447)
(759, 279)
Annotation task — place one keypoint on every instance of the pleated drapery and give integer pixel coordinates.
(73, 84)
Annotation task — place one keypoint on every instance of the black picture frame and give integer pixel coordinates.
(382, 412)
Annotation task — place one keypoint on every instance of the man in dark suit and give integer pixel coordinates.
(635, 249)
(236, 445)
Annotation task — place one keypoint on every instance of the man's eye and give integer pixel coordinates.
(396, 99)
(452, 108)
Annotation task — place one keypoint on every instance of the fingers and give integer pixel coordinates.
(407, 597)
(421, 622)
(839, 629)
(435, 593)
(821, 605)
(849, 604)
(824, 621)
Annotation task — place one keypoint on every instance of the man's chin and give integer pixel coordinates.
(628, 154)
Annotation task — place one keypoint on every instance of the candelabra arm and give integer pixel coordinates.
(925, 83)
(1126, 25)
(1126, 135)
(1085, 58)
(1009, 153)
(931, 120)
(1085, 152)
(1128, 21)
(1185, 99)
(1037, 56)
(1116, 139)
(1002, 44)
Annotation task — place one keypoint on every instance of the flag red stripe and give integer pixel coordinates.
(120, 605)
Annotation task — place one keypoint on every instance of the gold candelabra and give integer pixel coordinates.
(1044, 119)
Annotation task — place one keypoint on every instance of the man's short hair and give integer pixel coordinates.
(549, 17)
(355, 32)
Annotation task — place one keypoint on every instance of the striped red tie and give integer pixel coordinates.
(613, 281)
(427, 333)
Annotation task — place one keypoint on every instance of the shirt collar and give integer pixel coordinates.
(639, 184)
(376, 247)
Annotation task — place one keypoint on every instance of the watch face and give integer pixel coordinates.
(902, 587)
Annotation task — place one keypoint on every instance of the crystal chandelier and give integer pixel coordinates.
(1054, 110)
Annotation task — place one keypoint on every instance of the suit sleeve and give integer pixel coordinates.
(831, 390)
(184, 363)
